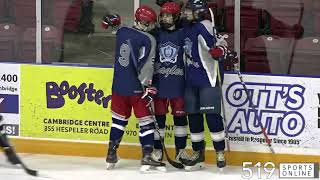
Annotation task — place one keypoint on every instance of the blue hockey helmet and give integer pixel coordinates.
(198, 9)
(197, 5)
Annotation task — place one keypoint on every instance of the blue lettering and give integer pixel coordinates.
(267, 100)
(54, 97)
(56, 93)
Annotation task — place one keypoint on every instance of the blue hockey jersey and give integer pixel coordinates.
(169, 65)
(201, 68)
(130, 73)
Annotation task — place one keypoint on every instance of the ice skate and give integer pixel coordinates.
(148, 164)
(112, 157)
(157, 154)
(182, 156)
(11, 156)
(196, 161)
(221, 161)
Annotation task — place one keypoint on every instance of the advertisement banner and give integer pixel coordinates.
(65, 102)
(288, 107)
(9, 97)
(71, 103)
(74, 103)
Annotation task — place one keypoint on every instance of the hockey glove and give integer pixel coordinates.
(218, 52)
(110, 20)
(149, 94)
(221, 40)
(232, 55)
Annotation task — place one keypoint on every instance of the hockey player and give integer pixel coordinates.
(169, 79)
(202, 95)
(7, 148)
(127, 92)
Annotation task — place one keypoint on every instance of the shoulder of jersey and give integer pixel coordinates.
(208, 25)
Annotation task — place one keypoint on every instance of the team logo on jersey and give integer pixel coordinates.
(187, 47)
(168, 52)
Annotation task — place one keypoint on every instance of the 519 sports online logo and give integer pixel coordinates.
(268, 170)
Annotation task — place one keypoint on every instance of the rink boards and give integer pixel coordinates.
(66, 110)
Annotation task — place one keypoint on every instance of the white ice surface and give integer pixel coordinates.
(84, 168)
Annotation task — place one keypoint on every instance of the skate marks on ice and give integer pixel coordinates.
(84, 168)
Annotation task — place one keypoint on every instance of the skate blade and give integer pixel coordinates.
(221, 170)
(111, 166)
(152, 169)
(198, 166)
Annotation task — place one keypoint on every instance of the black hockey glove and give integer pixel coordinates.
(112, 20)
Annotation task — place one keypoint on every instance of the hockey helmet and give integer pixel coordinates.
(145, 18)
(161, 2)
(170, 8)
(197, 5)
(169, 15)
(146, 14)
(196, 9)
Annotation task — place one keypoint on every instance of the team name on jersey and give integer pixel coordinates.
(174, 70)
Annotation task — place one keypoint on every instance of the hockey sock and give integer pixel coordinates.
(4, 141)
(146, 134)
(215, 124)
(180, 131)
(196, 131)
(117, 129)
(3, 138)
(161, 120)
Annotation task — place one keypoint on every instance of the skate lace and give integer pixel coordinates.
(220, 156)
(183, 155)
(195, 155)
(156, 154)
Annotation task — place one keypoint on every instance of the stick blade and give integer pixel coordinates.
(32, 172)
(29, 171)
(173, 163)
(176, 164)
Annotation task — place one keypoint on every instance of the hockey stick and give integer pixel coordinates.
(268, 141)
(24, 167)
(173, 163)
(220, 84)
(28, 170)
(247, 92)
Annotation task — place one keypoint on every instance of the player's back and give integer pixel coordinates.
(125, 79)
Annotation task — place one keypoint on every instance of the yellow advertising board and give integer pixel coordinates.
(71, 103)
